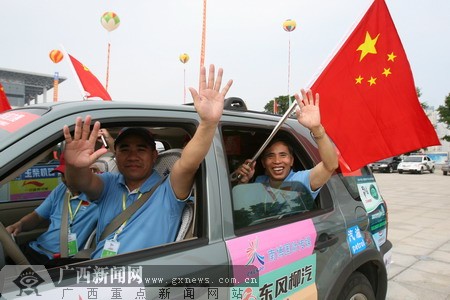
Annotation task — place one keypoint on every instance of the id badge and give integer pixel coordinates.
(72, 244)
(111, 248)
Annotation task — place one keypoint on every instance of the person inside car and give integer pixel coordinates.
(81, 222)
(277, 158)
(157, 221)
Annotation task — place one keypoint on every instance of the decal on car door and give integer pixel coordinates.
(283, 258)
(375, 207)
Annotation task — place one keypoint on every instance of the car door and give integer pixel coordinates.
(294, 254)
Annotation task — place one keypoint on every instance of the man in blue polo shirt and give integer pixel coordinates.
(82, 218)
(157, 221)
(278, 157)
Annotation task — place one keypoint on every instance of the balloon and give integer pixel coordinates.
(184, 58)
(56, 56)
(110, 20)
(289, 25)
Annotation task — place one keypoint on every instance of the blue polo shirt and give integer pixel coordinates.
(156, 222)
(83, 223)
(293, 177)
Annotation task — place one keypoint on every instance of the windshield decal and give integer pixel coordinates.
(14, 120)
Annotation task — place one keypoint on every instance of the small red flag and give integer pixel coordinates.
(90, 83)
(368, 100)
(4, 104)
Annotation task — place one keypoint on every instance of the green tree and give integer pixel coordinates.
(419, 94)
(282, 102)
(444, 115)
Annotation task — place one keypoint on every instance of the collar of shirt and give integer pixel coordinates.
(146, 186)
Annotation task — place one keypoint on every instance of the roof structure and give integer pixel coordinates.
(34, 84)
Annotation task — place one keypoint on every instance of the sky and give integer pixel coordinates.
(244, 37)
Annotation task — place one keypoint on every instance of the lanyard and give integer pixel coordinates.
(72, 215)
(124, 206)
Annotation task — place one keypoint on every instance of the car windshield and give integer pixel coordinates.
(413, 159)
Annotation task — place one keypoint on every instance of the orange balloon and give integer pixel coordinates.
(56, 56)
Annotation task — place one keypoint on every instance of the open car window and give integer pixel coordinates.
(26, 187)
(257, 203)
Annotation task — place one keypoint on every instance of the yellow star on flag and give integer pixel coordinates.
(391, 56)
(368, 46)
(358, 79)
(387, 72)
(372, 81)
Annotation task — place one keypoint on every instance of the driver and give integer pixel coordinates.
(82, 219)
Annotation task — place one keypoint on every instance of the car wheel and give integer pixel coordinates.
(400, 172)
(432, 170)
(420, 171)
(390, 169)
(357, 287)
(445, 172)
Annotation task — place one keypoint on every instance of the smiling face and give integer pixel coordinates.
(278, 161)
(135, 159)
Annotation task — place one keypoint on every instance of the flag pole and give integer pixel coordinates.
(289, 70)
(55, 86)
(107, 66)
(77, 79)
(202, 51)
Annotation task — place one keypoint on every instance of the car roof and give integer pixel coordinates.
(45, 113)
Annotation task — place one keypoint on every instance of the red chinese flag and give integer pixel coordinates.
(368, 100)
(90, 83)
(4, 104)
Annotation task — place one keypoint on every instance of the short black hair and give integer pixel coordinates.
(279, 140)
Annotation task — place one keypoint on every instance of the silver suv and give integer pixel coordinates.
(333, 247)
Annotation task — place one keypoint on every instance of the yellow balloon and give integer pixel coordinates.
(184, 58)
(289, 25)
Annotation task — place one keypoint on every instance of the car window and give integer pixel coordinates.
(257, 203)
(36, 181)
(350, 181)
(413, 159)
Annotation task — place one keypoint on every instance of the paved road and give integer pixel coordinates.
(419, 228)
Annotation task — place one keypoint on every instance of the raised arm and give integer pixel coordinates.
(80, 154)
(308, 115)
(208, 102)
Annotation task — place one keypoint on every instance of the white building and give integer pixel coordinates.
(441, 130)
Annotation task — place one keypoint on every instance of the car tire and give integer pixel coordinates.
(445, 173)
(400, 172)
(390, 170)
(432, 170)
(357, 287)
